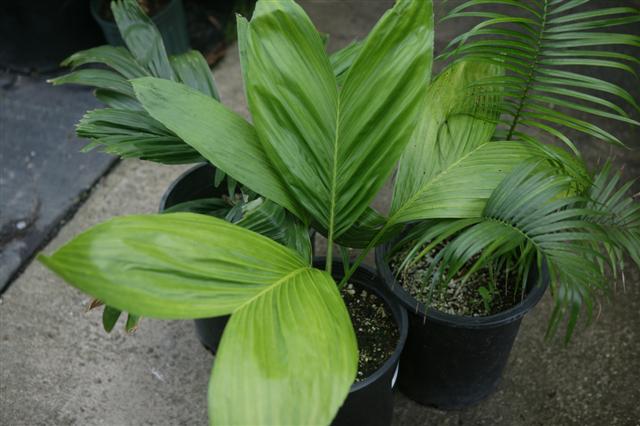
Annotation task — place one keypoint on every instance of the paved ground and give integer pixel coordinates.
(42, 173)
(58, 367)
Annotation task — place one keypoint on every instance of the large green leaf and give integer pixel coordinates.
(335, 149)
(458, 118)
(177, 265)
(288, 354)
(220, 135)
(288, 358)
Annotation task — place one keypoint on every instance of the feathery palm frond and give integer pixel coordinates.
(535, 45)
(617, 220)
(528, 215)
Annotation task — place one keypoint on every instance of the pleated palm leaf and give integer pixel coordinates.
(539, 43)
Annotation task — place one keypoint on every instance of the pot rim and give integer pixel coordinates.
(177, 181)
(416, 307)
(369, 276)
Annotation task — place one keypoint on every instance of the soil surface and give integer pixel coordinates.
(376, 331)
(457, 297)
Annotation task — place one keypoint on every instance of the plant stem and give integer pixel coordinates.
(329, 259)
(362, 255)
(530, 76)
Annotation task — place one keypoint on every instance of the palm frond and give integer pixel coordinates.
(535, 44)
(530, 216)
(124, 129)
(617, 218)
(134, 134)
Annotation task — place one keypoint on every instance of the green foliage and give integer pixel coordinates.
(529, 215)
(304, 153)
(326, 133)
(538, 42)
(183, 265)
(125, 129)
(309, 158)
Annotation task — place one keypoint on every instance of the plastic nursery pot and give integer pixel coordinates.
(194, 184)
(370, 401)
(453, 361)
(170, 21)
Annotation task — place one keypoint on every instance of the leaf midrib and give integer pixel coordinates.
(430, 183)
(532, 71)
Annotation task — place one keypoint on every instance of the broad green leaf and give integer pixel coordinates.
(184, 265)
(142, 38)
(220, 135)
(177, 265)
(192, 69)
(287, 358)
(242, 26)
(459, 117)
(314, 135)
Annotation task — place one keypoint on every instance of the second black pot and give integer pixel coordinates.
(453, 361)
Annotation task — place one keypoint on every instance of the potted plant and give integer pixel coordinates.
(167, 15)
(484, 250)
(321, 147)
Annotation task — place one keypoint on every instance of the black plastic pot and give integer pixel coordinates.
(453, 361)
(370, 401)
(170, 21)
(194, 184)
